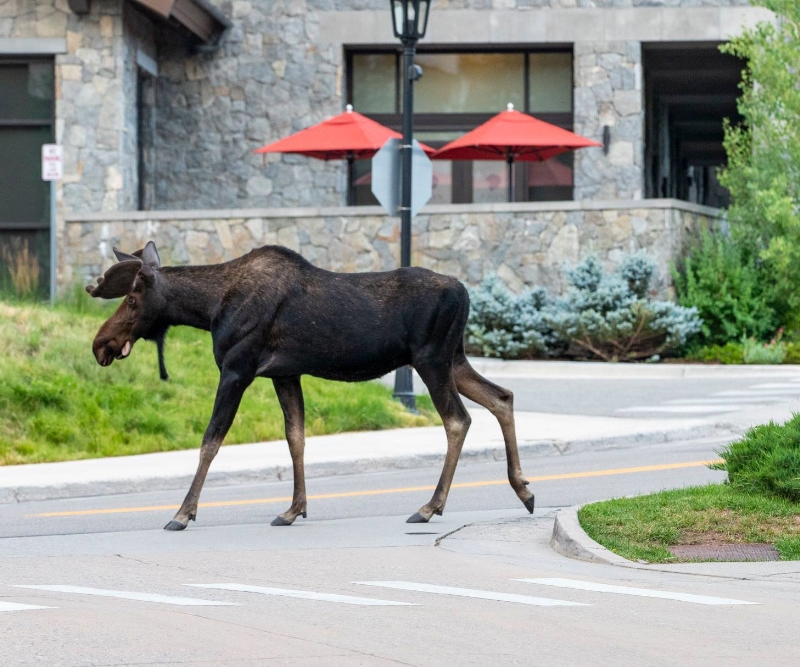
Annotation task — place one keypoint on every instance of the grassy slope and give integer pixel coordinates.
(57, 403)
(643, 527)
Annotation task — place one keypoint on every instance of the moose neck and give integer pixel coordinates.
(193, 294)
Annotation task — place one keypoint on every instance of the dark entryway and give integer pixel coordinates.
(689, 90)
(26, 122)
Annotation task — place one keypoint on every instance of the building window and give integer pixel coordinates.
(26, 122)
(458, 92)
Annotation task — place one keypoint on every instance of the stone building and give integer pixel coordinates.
(158, 105)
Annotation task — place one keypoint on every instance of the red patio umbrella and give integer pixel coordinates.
(513, 136)
(349, 136)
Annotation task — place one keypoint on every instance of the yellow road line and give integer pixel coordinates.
(381, 492)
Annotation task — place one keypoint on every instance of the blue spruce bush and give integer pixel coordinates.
(502, 324)
(602, 316)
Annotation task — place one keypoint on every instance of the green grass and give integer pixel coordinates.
(57, 403)
(642, 528)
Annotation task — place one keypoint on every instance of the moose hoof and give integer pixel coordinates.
(280, 521)
(528, 504)
(417, 518)
(175, 525)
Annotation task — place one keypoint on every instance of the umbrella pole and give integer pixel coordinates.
(510, 160)
(351, 189)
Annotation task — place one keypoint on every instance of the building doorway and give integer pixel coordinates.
(689, 90)
(26, 122)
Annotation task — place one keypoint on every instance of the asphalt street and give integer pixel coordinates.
(96, 581)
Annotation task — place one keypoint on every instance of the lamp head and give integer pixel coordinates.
(410, 18)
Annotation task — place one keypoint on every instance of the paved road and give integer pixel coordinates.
(664, 398)
(113, 588)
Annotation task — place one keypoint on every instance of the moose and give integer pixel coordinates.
(273, 314)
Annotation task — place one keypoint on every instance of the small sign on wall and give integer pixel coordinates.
(52, 162)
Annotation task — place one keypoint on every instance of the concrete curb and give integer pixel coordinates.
(569, 539)
(121, 484)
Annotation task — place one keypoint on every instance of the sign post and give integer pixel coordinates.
(52, 170)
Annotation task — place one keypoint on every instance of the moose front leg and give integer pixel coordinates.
(290, 395)
(229, 395)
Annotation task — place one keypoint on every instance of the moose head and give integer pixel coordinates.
(136, 277)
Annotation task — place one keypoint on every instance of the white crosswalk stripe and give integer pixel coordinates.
(684, 409)
(628, 590)
(14, 606)
(471, 593)
(131, 595)
(723, 402)
(306, 595)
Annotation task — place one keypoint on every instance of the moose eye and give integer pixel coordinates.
(131, 301)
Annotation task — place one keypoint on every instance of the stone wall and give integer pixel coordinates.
(526, 244)
(609, 92)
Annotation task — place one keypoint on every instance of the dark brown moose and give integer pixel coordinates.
(272, 314)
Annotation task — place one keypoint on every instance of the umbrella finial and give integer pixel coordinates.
(349, 108)
(510, 106)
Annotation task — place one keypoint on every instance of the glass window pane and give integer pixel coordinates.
(27, 91)
(550, 82)
(25, 262)
(362, 183)
(374, 79)
(552, 179)
(489, 181)
(24, 196)
(469, 82)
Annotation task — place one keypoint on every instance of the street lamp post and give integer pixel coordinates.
(410, 20)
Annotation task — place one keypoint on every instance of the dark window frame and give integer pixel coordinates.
(454, 122)
(19, 225)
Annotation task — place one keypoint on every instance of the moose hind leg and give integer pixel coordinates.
(456, 421)
(290, 396)
(500, 402)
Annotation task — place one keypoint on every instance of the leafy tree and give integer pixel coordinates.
(763, 171)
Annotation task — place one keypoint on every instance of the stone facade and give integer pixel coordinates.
(525, 244)
(608, 93)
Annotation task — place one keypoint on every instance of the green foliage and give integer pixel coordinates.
(773, 352)
(763, 171)
(57, 403)
(643, 527)
(502, 324)
(608, 316)
(726, 287)
(792, 353)
(605, 316)
(730, 353)
(766, 460)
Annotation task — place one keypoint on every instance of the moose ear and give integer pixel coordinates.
(117, 281)
(150, 255)
(123, 256)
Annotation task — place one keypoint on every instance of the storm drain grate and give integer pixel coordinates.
(728, 552)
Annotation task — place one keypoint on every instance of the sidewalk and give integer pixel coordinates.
(538, 434)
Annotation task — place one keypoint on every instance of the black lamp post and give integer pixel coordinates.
(410, 20)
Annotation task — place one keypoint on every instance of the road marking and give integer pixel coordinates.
(733, 400)
(380, 492)
(472, 593)
(14, 606)
(777, 385)
(627, 590)
(760, 393)
(306, 595)
(684, 409)
(132, 595)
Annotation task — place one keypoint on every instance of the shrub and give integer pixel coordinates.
(725, 285)
(609, 316)
(766, 460)
(730, 353)
(773, 352)
(502, 324)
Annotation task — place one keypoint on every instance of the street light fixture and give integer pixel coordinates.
(410, 21)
